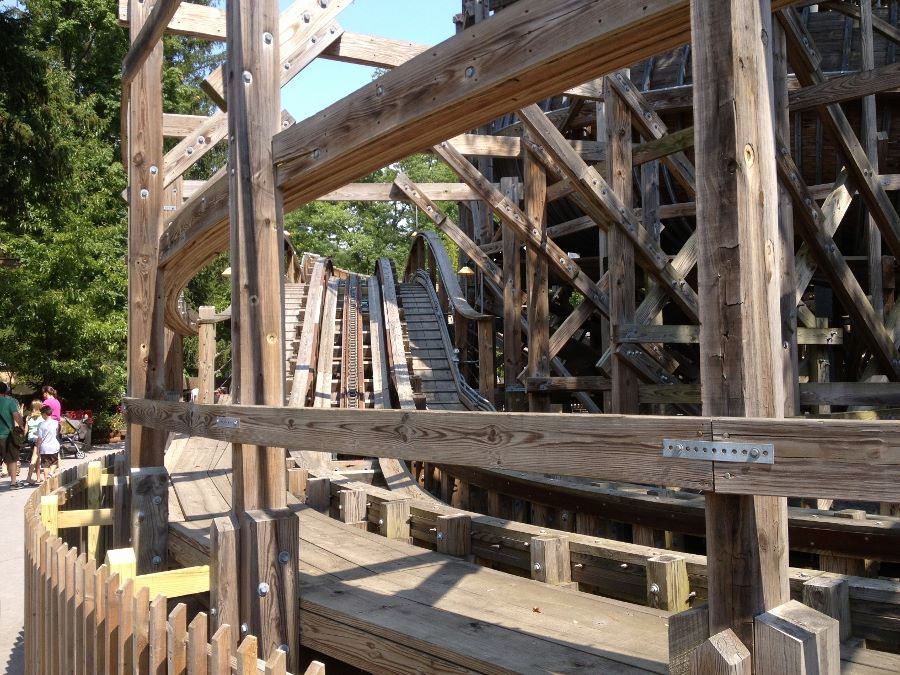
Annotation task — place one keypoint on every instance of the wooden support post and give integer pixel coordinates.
(621, 249)
(206, 354)
(296, 482)
(512, 311)
(150, 517)
(550, 561)
(839, 564)
(352, 505)
(454, 534)
(667, 583)
(252, 76)
(144, 153)
(223, 571)
(869, 140)
(394, 521)
(688, 630)
(793, 639)
(173, 198)
(93, 489)
(723, 654)
(486, 355)
(123, 562)
(538, 279)
(738, 287)
(318, 493)
(50, 513)
(121, 504)
(830, 596)
(269, 580)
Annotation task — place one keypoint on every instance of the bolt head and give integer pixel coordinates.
(157, 500)
(470, 71)
(247, 77)
(245, 628)
(537, 567)
(440, 536)
(154, 170)
(262, 589)
(156, 561)
(267, 38)
(284, 557)
(145, 193)
(654, 588)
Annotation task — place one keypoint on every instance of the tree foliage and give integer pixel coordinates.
(61, 214)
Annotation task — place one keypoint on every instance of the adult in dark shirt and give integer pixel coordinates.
(10, 418)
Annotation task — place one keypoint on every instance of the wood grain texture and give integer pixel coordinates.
(224, 549)
(150, 518)
(257, 261)
(796, 639)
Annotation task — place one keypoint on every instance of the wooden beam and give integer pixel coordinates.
(842, 459)
(144, 150)
(388, 192)
(190, 19)
(305, 29)
(621, 249)
(568, 384)
(371, 50)
(849, 87)
(738, 277)
(415, 112)
(892, 33)
(147, 39)
(257, 260)
(537, 280)
(179, 126)
(206, 355)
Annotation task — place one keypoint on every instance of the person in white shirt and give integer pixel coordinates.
(48, 443)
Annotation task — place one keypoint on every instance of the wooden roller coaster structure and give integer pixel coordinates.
(681, 218)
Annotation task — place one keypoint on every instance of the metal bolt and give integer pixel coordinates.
(323, 3)
(754, 452)
(654, 588)
(284, 648)
(244, 628)
(145, 193)
(267, 38)
(284, 557)
(287, 66)
(213, 611)
(262, 589)
(381, 521)
(154, 170)
(247, 77)
(157, 500)
(316, 153)
(729, 476)
(470, 71)
(156, 561)
(306, 17)
(537, 567)
(379, 90)
(440, 536)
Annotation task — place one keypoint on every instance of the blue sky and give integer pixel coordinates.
(324, 82)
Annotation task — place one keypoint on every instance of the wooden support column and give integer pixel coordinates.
(206, 354)
(869, 139)
(394, 521)
(538, 278)
(253, 85)
(223, 572)
(793, 639)
(738, 277)
(146, 343)
(270, 543)
(512, 310)
(486, 355)
(150, 518)
(621, 249)
(454, 534)
(173, 198)
(831, 596)
(782, 118)
(550, 560)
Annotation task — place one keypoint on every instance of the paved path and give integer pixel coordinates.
(12, 564)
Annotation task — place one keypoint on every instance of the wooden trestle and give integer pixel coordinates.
(719, 252)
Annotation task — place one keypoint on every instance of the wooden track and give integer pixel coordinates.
(387, 606)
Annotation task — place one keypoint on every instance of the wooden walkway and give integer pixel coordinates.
(387, 606)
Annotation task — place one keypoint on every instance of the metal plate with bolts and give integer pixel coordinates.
(720, 451)
(227, 423)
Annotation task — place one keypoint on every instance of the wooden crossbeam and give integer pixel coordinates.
(849, 459)
(607, 207)
(892, 33)
(809, 220)
(151, 32)
(179, 126)
(846, 87)
(805, 60)
(191, 20)
(305, 28)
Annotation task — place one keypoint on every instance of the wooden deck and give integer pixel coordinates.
(387, 606)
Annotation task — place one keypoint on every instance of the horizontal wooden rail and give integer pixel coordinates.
(844, 459)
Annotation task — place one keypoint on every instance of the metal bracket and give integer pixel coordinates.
(227, 423)
(720, 451)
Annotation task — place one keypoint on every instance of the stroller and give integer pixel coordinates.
(75, 436)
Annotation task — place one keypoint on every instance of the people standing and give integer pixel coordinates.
(10, 418)
(49, 394)
(48, 443)
(31, 427)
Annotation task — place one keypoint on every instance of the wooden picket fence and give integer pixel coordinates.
(87, 616)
